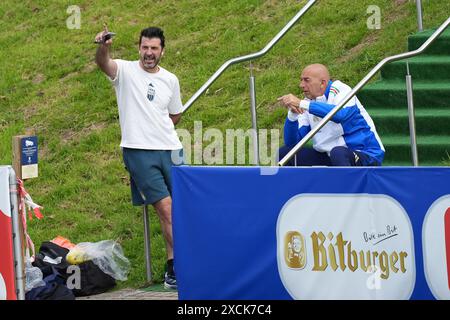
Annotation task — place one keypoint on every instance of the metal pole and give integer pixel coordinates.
(17, 241)
(148, 262)
(411, 117)
(254, 118)
(419, 14)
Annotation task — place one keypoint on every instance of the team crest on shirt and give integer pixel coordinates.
(334, 91)
(151, 92)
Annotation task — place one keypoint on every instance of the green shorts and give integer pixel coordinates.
(149, 171)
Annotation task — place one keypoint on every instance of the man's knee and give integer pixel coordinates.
(282, 152)
(341, 156)
(163, 209)
(338, 152)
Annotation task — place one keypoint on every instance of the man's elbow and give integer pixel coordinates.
(107, 68)
(101, 64)
(175, 118)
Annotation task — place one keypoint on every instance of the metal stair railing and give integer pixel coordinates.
(419, 15)
(360, 85)
(245, 58)
(248, 57)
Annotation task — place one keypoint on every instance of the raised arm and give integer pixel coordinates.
(102, 58)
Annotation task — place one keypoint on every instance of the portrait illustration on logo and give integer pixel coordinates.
(294, 250)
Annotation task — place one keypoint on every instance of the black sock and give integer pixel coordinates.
(170, 269)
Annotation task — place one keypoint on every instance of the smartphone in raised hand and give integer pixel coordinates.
(106, 37)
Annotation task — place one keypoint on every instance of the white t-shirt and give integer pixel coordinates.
(145, 101)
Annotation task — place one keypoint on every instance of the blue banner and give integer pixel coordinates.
(312, 233)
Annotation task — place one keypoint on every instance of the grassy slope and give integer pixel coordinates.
(49, 85)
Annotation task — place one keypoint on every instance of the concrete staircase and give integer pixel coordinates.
(386, 102)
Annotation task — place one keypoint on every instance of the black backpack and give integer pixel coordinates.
(51, 256)
(54, 289)
(92, 279)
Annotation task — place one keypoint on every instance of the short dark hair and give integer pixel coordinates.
(152, 32)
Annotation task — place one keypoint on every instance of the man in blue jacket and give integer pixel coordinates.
(349, 139)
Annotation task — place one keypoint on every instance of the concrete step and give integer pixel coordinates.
(392, 94)
(392, 163)
(423, 67)
(432, 149)
(395, 121)
(441, 46)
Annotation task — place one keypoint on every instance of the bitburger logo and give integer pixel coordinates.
(337, 254)
(345, 246)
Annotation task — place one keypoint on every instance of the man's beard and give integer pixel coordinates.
(150, 62)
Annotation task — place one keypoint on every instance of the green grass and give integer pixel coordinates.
(49, 86)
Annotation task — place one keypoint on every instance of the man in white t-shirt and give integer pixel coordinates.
(149, 102)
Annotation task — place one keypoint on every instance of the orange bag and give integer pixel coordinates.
(63, 242)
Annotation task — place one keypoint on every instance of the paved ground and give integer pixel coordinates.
(134, 294)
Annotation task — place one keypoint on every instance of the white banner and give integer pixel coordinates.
(436, 247)
(349, 246)
(6, 252)
(5, 206)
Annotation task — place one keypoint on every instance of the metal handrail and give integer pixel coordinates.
(353, 92)
(248, 57)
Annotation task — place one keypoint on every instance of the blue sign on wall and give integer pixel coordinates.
(312, 233)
